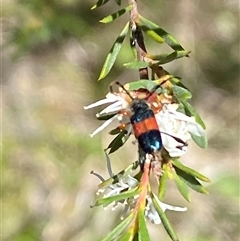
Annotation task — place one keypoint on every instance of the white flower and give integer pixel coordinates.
(151, 213)
(115, 189)
(110, 98)
(118, 103)
(178, 125)
(123, 184)
(128, 183)
(175, 127)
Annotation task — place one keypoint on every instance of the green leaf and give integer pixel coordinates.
(182, 186)
(128, 236)
(145, 84)
(154, 36)
(201, 141)
(181, 93)
(159, 34)
(118, 2)
(112, 56)
(179, 165)
(115, 131)
(167, 225)
(177, 81)
(99, 4)
(141, 84)
(105, 117)
(136, 65)
(135, 238)
(115, 15)
(143, 234)
(121, 175)
(118, 141)
(163, 183)
(166, 58)
(117, 198)
(146, 26)
(190, 111)
(191, 181)
(119, 229)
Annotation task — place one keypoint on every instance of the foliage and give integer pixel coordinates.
(47, 153)
(138, 196)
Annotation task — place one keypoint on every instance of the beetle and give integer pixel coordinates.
(145, 127)
(144, 123)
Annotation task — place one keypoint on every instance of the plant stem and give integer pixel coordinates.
(138, 40)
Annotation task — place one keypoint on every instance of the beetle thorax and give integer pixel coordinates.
(138, 105)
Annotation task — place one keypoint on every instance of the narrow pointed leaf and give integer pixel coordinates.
(190, 111)
(128, 236)
(196, 186)
(141, 84)
(118, 2)
(105, 117)
(177, 81)
(201, 141)
(156, 37)
(166, 58)
(137, 65)
(167, 225)
(116, 15)
(191, 181)
(147, 25)
(116, 198)
(118, 141)
(179, 165)
(182, 186)
(135, 238)
(143, 234)
(119, 229)
(115, 131)
(163, 183)
(99, 4)
(181, 93)
(112, 56)
(121, 175)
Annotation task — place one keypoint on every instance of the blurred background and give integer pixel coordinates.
(52, 54)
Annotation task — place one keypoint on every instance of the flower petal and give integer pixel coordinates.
(153, 215)
(165, 206)
(192, 125)
(179, 125)
(112, 108)
(196, 129)
(110, 97)
(98, 103)
(104, 125)
(174, 148)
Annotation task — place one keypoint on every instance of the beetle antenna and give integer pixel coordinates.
(155, 88)
(176, 139)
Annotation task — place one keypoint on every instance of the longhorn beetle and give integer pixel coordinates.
(145, 127)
